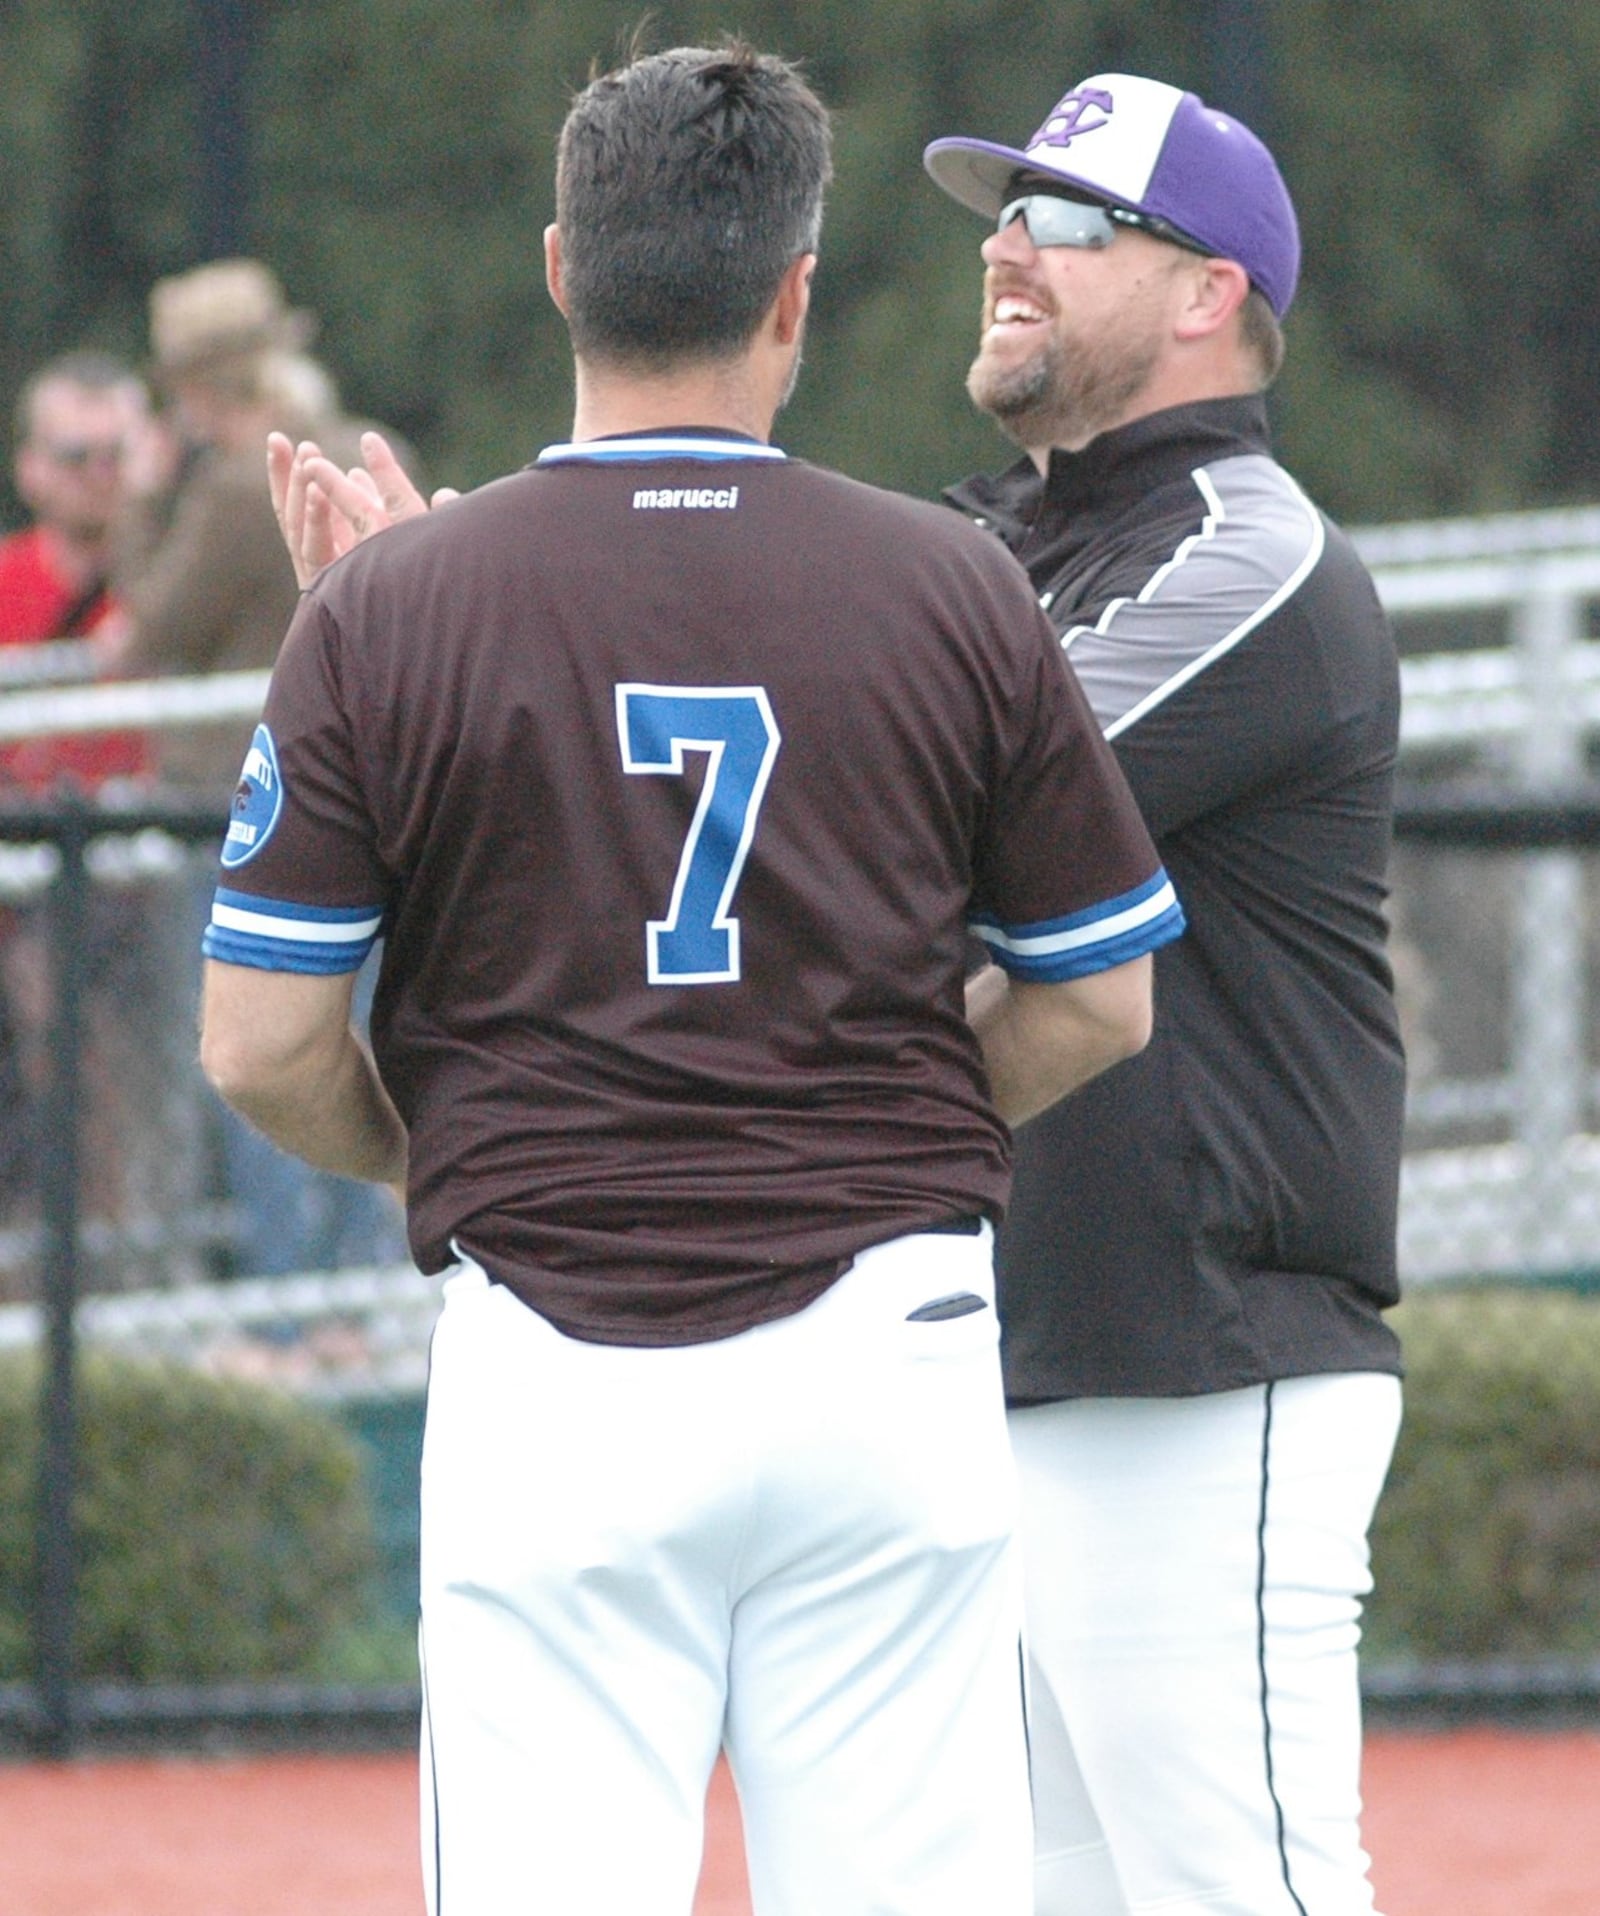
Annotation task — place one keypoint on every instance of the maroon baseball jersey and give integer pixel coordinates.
(674, 774)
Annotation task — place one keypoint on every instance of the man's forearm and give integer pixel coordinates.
(334, 1113)
(280, 1050)
(1042, 1041)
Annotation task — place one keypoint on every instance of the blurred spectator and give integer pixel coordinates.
(200, 563)
(209, 587)
(83, 427)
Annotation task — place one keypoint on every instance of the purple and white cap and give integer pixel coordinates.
(1147, 146)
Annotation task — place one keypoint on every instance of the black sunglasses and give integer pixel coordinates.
(75, 454)
(1053, 220)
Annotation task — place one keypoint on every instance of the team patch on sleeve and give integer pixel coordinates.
(257, 802)
(270, 934)
(1059, 949)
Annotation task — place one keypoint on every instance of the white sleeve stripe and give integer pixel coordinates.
(300, 931)
(1215, 517)
(1158, 578)
(1100, 932)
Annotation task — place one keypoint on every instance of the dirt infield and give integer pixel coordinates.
(1469, 1823)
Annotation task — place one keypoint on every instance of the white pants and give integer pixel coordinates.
(796, 1543)
(1194, 1573)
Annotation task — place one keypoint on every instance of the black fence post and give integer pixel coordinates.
(60, 1154)
(225, 33)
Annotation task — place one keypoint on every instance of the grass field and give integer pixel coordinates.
(1477, 1822)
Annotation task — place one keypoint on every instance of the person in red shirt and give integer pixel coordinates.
(83, 427)
(83, 421)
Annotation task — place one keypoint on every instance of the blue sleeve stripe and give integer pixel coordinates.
(1111, 919)
(273, 934)
(354, 921)
(283, 954)
(289, 923)
(1061, 966)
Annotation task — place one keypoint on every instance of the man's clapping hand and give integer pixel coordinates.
(324, 510)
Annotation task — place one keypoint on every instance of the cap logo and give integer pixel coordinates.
(1085, 110)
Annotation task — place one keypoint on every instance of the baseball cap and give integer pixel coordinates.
(1154, 149)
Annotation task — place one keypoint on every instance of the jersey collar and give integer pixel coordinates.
(678, 442)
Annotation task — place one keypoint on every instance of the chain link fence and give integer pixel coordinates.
(1495, 892)
(254, 1328)
(1487, 1544)
(134, 1226)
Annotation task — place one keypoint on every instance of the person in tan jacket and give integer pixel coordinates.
(201, 567)
(209, 588)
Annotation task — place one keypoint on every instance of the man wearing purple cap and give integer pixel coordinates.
(1201, 1244)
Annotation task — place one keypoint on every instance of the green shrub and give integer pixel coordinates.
(381, 1649)
(1487, 1541)
(223, 1529)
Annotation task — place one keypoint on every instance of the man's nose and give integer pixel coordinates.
(1011, 245)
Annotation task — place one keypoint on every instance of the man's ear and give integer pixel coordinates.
(794, 298)
(1217, 290)
(552, 266)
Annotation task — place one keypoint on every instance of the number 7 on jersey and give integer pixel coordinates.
(697, 943)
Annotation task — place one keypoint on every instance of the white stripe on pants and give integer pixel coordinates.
(796, 1542)
(1194, 1570)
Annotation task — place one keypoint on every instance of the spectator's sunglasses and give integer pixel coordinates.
(75, 454)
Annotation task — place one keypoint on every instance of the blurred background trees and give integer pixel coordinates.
(392, 159)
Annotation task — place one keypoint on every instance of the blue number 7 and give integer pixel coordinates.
(697, 943)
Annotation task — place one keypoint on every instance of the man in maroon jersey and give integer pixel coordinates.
(676, 775)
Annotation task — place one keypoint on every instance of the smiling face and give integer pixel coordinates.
(1073, 337)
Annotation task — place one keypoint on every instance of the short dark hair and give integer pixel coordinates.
(1262, 334)
(89, 370)
(687, 183)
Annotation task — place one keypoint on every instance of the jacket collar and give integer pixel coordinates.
(1119, 466)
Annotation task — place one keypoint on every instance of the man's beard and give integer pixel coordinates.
(1062, 395)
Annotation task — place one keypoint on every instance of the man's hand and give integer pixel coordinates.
(323, 510)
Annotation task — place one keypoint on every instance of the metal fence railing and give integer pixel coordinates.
(1495, 898)
(125, 1238)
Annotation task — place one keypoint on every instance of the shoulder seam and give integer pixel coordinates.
(1216, 516)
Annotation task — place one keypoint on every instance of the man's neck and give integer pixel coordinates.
(725, 396)
(1174, 383)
